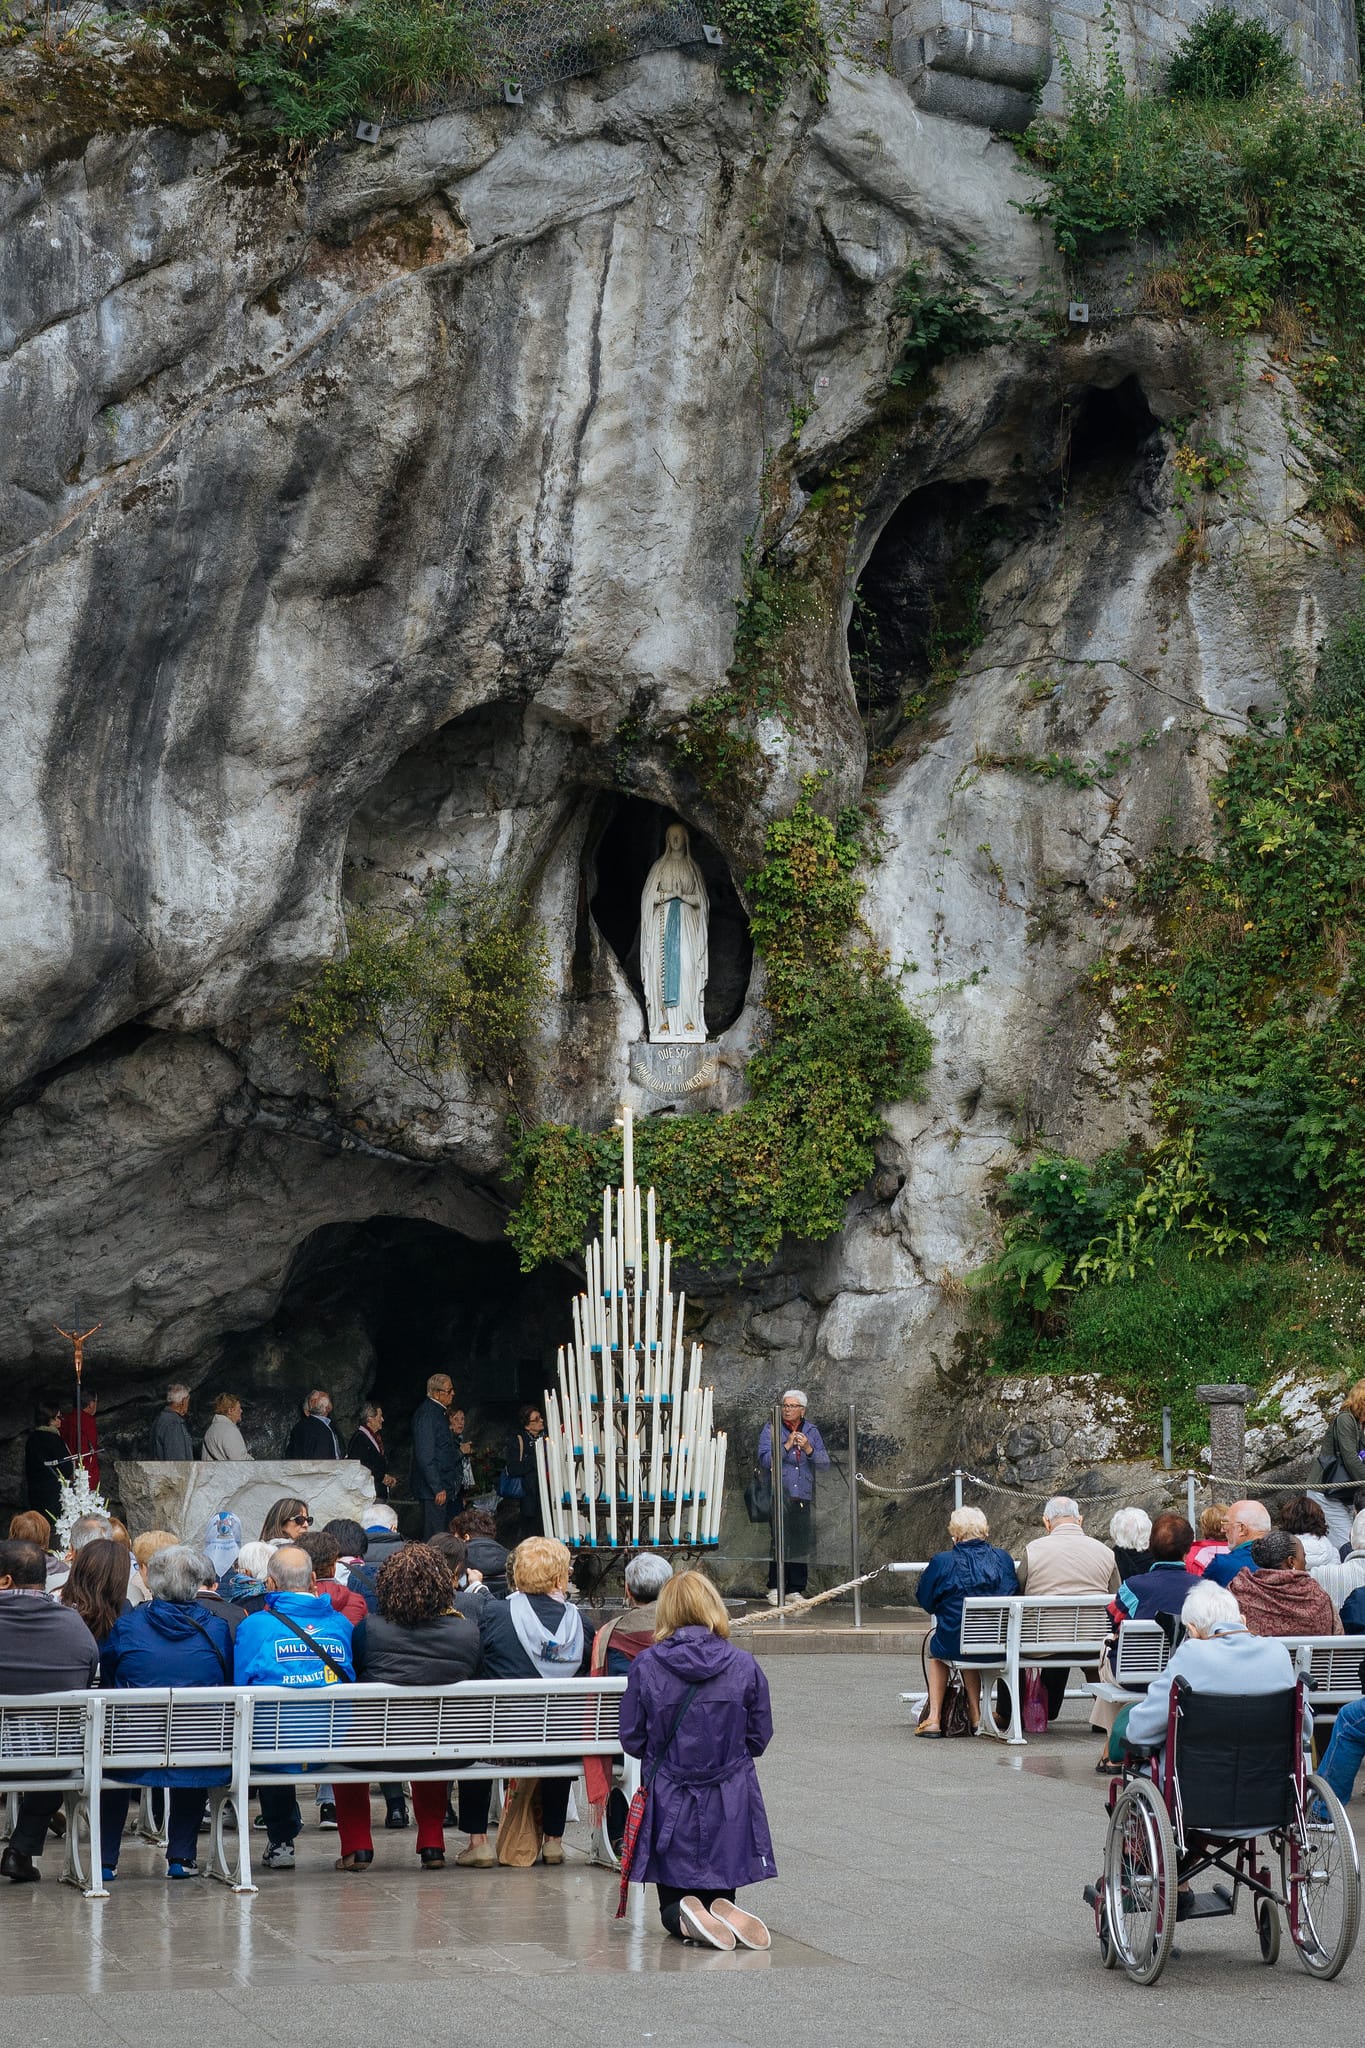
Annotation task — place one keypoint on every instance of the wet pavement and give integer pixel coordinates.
(927, 1890)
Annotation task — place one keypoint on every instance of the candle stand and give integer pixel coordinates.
(631, 1458)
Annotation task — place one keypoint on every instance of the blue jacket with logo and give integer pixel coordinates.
(266, 1652)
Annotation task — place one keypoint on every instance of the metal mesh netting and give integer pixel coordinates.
(530, 43)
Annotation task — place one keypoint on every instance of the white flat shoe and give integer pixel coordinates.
(747, 1928)
(703, 1926)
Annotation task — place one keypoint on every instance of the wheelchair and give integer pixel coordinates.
(1232, 1771)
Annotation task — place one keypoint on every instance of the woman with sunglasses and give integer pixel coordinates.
(286, 1522)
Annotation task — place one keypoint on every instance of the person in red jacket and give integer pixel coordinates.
(325, 1552)
(90, 1435)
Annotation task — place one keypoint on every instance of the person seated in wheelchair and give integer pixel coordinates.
(1217, 1655)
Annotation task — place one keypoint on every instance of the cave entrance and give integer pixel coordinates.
(917, 610)
(624, 840)
(370, 1309)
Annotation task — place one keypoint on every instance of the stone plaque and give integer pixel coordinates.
(673, 1072)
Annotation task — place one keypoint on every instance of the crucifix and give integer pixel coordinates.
(78, 1340)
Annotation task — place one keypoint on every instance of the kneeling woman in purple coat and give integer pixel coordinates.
(696, 1713)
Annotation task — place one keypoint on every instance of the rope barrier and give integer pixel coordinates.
(1176, 1479)
(799, 1604)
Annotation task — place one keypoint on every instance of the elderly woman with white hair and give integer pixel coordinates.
(1130, 1534)
(803, 1455)
(973, 1565)
(1217, 1655)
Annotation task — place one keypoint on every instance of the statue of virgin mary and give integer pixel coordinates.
(673, 944)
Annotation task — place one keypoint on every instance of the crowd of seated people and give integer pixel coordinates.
(306, 1608)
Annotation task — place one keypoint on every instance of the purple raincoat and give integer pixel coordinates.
(704, 1825)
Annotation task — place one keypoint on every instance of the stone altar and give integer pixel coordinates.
(181, 1496)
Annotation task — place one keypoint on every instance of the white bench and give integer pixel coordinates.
(1007, 1636)
(76, 1743)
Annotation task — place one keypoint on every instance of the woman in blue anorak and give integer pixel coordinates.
(973, 1565)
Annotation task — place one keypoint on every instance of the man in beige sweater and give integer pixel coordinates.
(1065, 1560)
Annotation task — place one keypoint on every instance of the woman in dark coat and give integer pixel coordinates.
(973, 1565)
(705, 1832)
(519, 1463)
(535, 1633)
(418, 1637)
(171, 1640)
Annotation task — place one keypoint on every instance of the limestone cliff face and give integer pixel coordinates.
(391, 515)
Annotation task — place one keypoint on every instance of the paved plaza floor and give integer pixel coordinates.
(929, 1891)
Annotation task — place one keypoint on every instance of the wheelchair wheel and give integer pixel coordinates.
(1140, 1881)
(1321, 1881)
(1108, 1953)
(1268, 1930)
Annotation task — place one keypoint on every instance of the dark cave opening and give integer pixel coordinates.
(917, 609)
(370, 1309)
(1105, 432)
(624, 840)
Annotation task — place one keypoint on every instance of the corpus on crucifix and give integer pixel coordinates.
(674, 912)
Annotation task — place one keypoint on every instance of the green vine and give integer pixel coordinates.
(841, 1043)
(464, 978)
(773, 45)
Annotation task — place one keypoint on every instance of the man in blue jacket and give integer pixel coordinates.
(297, 1639)
(437, 1468)
(1248, 1520)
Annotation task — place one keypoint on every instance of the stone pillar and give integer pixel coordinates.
(1227, 1406)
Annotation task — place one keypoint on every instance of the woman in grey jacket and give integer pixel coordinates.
(1217, 1656)
(1339, 1467)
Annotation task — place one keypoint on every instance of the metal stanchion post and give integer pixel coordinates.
(854, 1558)
(1189, 1502)
(957, 1487)
(779, 1530)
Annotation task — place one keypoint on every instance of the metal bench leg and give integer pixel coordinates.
(1014, 1678)
(988, 1725)
(76, 1811)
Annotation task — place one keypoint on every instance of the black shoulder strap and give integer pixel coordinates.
(647, 1776)
(316, 1647)
(222, 1660)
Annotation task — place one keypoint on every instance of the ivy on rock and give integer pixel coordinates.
(841, 1042)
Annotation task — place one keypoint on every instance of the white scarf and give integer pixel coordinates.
(554, 1656)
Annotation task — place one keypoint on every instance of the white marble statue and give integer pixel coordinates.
(673, 944)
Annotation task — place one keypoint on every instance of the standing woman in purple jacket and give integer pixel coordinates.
(696, 1713)
(803, 1455)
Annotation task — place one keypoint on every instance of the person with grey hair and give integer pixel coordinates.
(366, 1446)
(1065, 1560)
(313, 1435)
(171, 1442)
(619, 1642)
(1248, 1521)
(803, 1455)
(173, 1640)
(1218, 1655)
(86, 1529)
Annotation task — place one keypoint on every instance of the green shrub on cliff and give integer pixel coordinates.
(841, 1043)
(1227, 56)
(319, 73)
(464, 978)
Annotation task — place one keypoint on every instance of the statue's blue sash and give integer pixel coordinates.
(673, 954)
